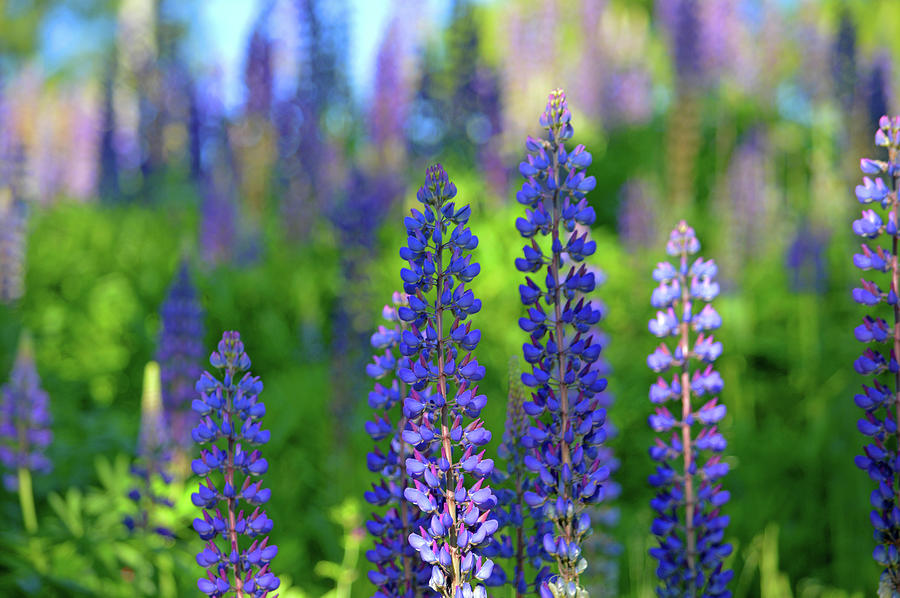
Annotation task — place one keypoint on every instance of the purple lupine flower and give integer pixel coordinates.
(805, 259)
(689, 524)
(258, 73)
(523, 547)
(602, 575)
(194, 132)
(749, 210)
(356, 217)
(13, 220)
(397, 571)
(449, 482)
(391, 91)
(878, 87)
(843, 61)
(24, 419)
(637, 222)
(231, 412)
(218, 224)
(681, 19)
(879, 400)
(109, 170)
(566, 430)
(180, 354)
(153, 457)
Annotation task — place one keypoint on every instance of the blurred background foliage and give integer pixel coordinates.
(282, 180)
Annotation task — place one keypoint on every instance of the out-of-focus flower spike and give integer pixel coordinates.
(24, 428)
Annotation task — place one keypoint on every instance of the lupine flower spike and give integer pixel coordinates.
(880, 457)
(230, 413)
(449, 486)
(524, 546)
(153, 457)
(564, 439)
(13, 219)
(398, 572)
(689, 524)
(24, 429)
(180, 356)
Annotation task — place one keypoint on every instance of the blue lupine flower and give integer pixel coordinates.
(24, 419)
(689, 524)
(180, 353)
(450, 480)
(397, 571)
(567, 420)
(153, 457)
(880, 455)
(230, 425)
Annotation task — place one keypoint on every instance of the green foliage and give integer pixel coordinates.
(82, 548)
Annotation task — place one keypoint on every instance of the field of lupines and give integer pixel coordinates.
(451, 330)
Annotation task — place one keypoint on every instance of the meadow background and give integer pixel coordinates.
(281, 177)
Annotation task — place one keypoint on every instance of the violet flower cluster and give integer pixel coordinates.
(566, 432)
(230, 413)
(180, 353)
(689, 524)
(879, 399)
(398, 571)
(24, 419)
(448, 466)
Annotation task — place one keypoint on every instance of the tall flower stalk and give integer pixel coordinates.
(689, 524)
(566, 430)
(180, 354)
(398, 572)
(881, 400)
(231, 414)
(450, 485)
(24, 429)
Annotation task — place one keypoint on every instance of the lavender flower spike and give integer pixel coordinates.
(689, 525)
(449, 480)
(880, 400)
(397, 571)
(230, 423)
(566, 430)
(24, 429)
(180, 355)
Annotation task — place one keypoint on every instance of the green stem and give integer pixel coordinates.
(26, 499)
